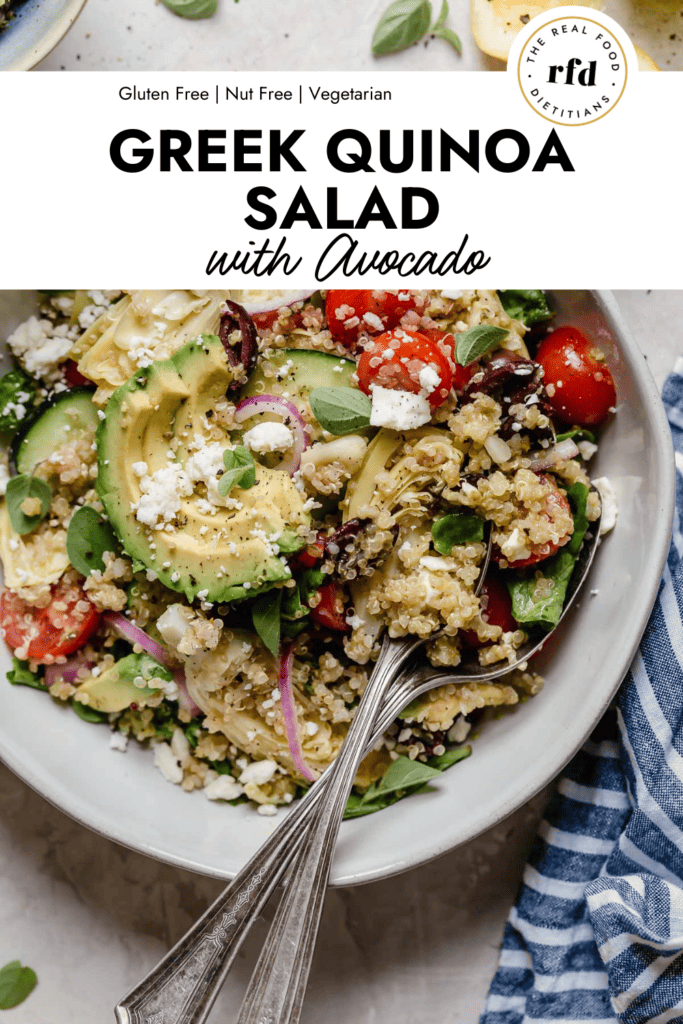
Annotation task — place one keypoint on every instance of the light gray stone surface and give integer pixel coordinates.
(304, 35)
(91, 918)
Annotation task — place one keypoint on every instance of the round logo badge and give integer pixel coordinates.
(572, 68)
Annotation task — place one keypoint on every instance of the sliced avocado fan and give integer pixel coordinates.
(156, 420)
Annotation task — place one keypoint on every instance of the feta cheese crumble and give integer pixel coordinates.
(610, 509)
(398, 410)
(258, 772)
(160, 501)
(268, 437)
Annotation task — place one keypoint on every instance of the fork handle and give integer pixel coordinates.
(276, 991)
(183, 986)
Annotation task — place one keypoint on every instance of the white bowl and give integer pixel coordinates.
(125, 798)
(35, 31)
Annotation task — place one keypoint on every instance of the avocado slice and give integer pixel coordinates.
(156, 418)
(116, 690)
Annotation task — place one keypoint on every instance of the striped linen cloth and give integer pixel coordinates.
(596, 934)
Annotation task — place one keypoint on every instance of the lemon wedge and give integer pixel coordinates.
(645, 62)
(495, 23)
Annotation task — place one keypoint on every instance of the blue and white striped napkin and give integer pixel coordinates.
(596, 934)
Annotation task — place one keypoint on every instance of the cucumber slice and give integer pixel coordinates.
(310, 369)
(65, 417)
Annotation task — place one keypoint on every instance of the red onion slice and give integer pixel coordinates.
(68, 672)
(289, 713)
(135, 635)
(290, 416)
(563, 450)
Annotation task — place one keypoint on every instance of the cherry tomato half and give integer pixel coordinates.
(66, 624)
(446, 343)
(309, 556)
(330, 612)
(496, 609)
(580, 387)
(397, 360)
(556, 503)
(352, 313)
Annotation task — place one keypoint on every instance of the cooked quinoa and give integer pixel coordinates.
(360, 510)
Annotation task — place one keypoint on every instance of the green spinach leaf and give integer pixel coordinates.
(456, 528)
(20, 675)
(539, 600)
(444, 761)
(531, 306)
(19, 488)
(265, 614)
(89, 714)
(18, 395)
(577, 432)
(403, 778)
(88, 538)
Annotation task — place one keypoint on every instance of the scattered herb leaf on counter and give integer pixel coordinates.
(405, 22)
(402, 24)
(531, 306)
(534, 605)
(19, 488)
(403, 778)
(88, 538)
(240, 470)
(456, 528)
(265, 614)
(193, 9)
(16, 984)
(20, 675)
(441, 31)
(477, 341)
(341, 410)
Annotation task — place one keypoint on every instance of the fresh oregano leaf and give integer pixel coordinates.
(87, 539)
(341, 410)
(530, 306)
(265, 614)
(450, 36)
(402, 24)
(16, 984)
(20, 675)
(477, 341)
(240, 470)
(19, 488)
(193, 9)
(456, 528)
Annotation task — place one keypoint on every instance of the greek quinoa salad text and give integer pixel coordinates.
(216, 504)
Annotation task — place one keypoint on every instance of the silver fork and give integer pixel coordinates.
(183, 987)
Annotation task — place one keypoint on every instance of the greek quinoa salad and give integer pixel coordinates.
(216, 504)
